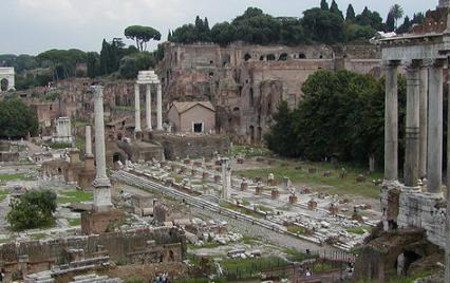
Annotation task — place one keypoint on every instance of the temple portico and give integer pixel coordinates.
(147, 79)
(423, 54)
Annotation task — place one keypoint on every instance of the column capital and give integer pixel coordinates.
(97, 90)
(391, 63)
(439, 63)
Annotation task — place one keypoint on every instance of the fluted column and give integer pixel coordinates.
(447, 250)
(137, 109)
(423, 123)
(435, 126)
(411, 167)
(102, 185)
(88, 142)
(391, 122)
(148, 106)
(159, 107)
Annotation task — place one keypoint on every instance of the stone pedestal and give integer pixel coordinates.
(275, 193)
(293, 199)
(94, 222)
(312, 204)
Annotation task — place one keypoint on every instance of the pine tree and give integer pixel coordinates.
(324, 5)
(335, 9)
(350, 15)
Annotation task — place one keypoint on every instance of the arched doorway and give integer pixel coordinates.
(4, 85)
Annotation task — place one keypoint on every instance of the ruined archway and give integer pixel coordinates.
(283, 57)
(301, 56)
(4, 84)
(252, 134)
(247, 57)
(6, 78)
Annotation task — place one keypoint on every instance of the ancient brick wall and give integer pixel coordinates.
(145, 245)
(193, 146)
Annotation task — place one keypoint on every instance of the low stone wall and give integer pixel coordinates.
(404, 207)
(192, 146)
(139, 246)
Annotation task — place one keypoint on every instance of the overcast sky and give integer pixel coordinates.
(33, 26)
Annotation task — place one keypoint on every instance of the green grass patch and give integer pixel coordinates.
(248, 268)
(241, 210)
(359, 230)
(38, 236)
(3, 195)
(207, 245)
(55, 145)
(74, 196)
(74, 221)
(13, 177)
(248, 151)
(297, 229)
(296, 256)
(333, 184)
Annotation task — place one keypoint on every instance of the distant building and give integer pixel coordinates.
(193, 117)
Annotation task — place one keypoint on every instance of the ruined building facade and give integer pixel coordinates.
(246, 82)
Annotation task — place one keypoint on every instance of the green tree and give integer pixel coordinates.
(281, 138)
(397, 13)
(324, 5)
(370, 18)
(131, 65)
(334, 8)
(223, 33)
(62, 62)
(93, 61)
(141, 35)
(17, 119)
(350, 15)
(390, 22)
(323, 26)
(33, 210)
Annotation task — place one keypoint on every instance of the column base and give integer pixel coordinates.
(100, 222)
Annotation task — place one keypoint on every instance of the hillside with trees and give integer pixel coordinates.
(324, 24)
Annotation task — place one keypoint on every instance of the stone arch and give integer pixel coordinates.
(7, 78)
(252, 97)
(4, 84)
(259, 134)
(404, 261)
(270, 57)
(283, 57)
(252, 134)
(247, 57)
(301, 56)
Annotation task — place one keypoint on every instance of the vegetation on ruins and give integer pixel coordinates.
(341, 115)
(17, 119)
(34, 209)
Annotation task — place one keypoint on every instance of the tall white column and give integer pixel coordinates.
(423, 117)
(88, 142)
(435, 126)
(137, 109)
(148, 106)
(391, 123)
(226, 178)
(159, 107)
(411, 167)
(102, 185)
(447, 249)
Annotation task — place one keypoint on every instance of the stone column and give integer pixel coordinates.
(88, 142)
(226, 178)
(391, 123)
(423, 121)
(137, 109)
(447, 249)
(411, 168)
(148, 106)
(102, 185)
(435, 125)
(159, 107)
